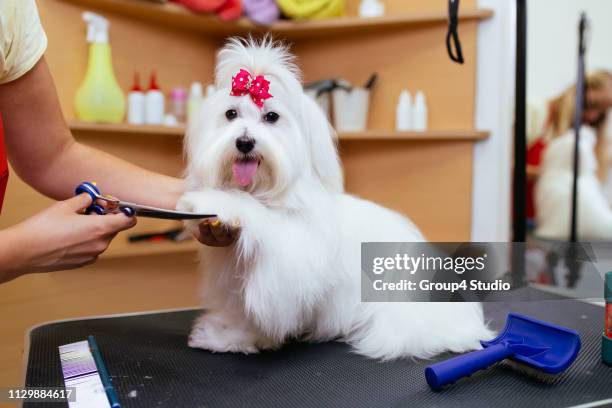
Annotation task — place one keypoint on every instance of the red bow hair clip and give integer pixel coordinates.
(243, 83)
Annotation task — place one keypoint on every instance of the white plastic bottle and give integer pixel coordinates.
(403, 113)
(420, 114)
(136, 103)
(195, 99)
(371, 8)
(210, 89)
(154, 103)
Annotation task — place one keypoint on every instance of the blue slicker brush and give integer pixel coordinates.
(540, 348)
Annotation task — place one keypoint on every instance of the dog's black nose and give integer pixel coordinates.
(245, 144)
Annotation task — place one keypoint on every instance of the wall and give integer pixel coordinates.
(390, 173)
(492, 178)
(553, 43)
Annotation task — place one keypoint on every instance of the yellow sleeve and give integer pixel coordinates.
(22, 38)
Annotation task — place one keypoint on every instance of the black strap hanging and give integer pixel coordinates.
(572, 254)
(452, 37)
(520, 127)
(520, 149)
(580, 102)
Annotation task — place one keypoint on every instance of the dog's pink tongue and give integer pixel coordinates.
(244, 171)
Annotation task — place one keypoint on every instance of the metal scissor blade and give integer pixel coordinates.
(154, 212)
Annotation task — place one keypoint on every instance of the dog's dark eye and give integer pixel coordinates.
(271, 117)
(231, 114)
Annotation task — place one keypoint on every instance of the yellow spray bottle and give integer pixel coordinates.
(99, 98)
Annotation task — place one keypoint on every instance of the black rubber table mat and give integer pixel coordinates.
(148, 354)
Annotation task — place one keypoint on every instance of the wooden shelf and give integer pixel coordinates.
(87, 127)
(370, 135)
(431, 135)
(177, 16)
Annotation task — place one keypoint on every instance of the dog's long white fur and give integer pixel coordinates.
(295, 269)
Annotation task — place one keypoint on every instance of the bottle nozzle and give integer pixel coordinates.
(153, 82)
(420, 97)
(97, 27)
(136, 84)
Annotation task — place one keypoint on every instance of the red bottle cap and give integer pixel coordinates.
(136, 84)
(153, 83)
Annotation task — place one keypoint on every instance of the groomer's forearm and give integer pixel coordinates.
(114, 176)
(9, 254)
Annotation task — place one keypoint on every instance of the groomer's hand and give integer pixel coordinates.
(61, 238)
(213, 232)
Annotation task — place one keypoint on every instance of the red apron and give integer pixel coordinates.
(3, 166)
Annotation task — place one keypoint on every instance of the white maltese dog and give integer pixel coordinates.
(270, 165)
(554, 191)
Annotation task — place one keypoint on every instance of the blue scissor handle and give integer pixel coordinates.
(89, 188)
(98, 209)
(94, 192)
(128, 211)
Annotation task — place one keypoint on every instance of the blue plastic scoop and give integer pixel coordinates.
(543, 347)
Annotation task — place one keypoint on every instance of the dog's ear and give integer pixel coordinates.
(323, 149)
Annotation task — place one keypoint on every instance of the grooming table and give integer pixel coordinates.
(148, 353)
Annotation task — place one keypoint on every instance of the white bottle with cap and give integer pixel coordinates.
(419, 113)
(195, 99)
(136, 103)
(403, 113)
(155, 102)
(210, 89)
(371, 8)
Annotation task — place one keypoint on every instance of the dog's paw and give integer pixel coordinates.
(234, 209)
(187, 203)
(219, 345)
(214, 333)
(230, 207)
(266, 343)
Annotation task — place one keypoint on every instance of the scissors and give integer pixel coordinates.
(114, 206)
